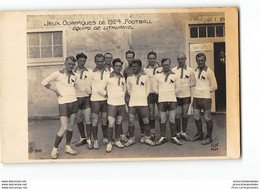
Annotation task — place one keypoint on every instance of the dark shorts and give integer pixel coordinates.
(143, 111)
(202, 103)
(114, 111)
(167, 106)
(183, 101)
(68, 109)
(83, 102)
(98, 106)
(152, 98)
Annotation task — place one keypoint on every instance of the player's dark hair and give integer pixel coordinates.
(151, 53)
(137, 61)
(99, 56)
(165, 59)
(130, 52)
(200, 55)
(71, 58)
(81, 55)
(116, 60)
(108, 53)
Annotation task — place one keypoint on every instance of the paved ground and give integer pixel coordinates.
(42, 134)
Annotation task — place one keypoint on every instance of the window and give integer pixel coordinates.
(44, 46)
(206, 30)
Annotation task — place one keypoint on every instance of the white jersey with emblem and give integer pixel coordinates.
(98, 80)
(185, 75)
(205, 82)
(65, 84)
(165, 86)
(82, 81)
(151, 72)
(116, 88)
(138, 88)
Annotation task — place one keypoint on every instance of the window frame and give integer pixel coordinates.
(47, 61)
(197, 25)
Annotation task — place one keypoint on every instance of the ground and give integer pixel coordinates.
(42, 134)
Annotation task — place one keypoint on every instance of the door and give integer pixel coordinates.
(220, 73)
(208, 50)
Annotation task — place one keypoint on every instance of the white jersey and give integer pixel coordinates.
(151, 72)
(185, 75)
(205, 82)
(138, 88)
(98, 80)
(82, 81)
(116, 88)
(165, 86)
(65, 84)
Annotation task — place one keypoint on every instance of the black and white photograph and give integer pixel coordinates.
(127, 85)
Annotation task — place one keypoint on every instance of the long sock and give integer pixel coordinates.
(109, 134)
(89, 130)
(199, 126)
(178, 125)
(81, 130)
(131, 130)
(68, 137)
(152, 124)
(173, 129)
(184, 124)
(141, 123)
(58, 139)
(104, 129)
(118, 131)
(120, 127)
(209, 128)
(163, 129)
(95, 132)
(147, 130)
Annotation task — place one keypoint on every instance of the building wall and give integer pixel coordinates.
(166, 36)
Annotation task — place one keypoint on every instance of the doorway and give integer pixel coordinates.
(220, 73)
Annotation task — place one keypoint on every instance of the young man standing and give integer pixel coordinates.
(116, 88)
(128, 71)
(138, 88)
(98, 98)
(83, 97)
(68, 105)
(108, 59)
(151, 70)
(185, 75)
(165, 86)
(205, 85)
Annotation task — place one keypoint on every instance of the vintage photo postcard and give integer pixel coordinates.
(120, 85)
